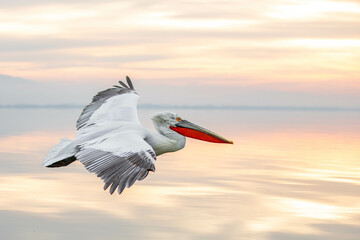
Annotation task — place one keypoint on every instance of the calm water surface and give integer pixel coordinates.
(289, 175)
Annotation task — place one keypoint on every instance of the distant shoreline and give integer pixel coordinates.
(196, 107)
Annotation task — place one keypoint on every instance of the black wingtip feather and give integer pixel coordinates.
(129, 86)
(123, 84)
(129, 83)
(113, 187)
(107, 185)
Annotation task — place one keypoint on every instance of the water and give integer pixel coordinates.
(289, 175)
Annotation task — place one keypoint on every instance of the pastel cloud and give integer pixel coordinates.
(240, 43)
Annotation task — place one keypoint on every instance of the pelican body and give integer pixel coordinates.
(112, 143)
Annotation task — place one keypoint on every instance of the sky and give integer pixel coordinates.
(280, 180)
(298, 53)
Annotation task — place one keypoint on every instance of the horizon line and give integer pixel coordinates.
(199, 107)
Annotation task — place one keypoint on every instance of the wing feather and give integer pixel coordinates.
(143, 175)
(118, 168)
(119, 158)
(129, 82)
(124, 85)
(121, 101)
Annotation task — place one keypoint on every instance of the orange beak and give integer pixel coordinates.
(189, 129)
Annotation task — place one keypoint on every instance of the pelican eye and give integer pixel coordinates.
(178, 119)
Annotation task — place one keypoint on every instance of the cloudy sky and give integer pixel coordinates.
(231, 52)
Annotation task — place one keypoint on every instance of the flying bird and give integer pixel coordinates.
(112, 143)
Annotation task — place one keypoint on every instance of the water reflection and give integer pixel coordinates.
(289, 175)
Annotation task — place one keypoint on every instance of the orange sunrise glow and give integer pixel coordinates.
(241, 42)
(279, 79)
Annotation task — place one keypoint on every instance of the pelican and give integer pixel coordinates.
(112, 143)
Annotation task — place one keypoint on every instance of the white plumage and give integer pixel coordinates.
(112, 143)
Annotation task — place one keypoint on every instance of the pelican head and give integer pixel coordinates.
(171, 123)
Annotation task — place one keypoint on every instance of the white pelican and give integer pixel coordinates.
(112, 143)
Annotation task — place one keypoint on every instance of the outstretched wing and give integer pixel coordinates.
(119, 160)
(114, 104)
